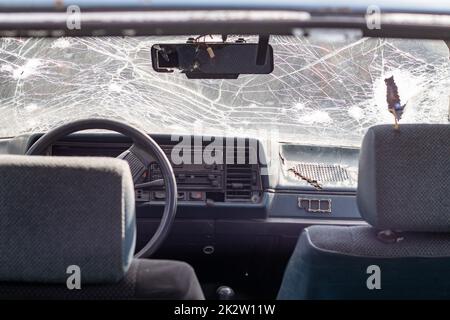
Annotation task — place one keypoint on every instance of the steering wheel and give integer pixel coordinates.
(138, 156)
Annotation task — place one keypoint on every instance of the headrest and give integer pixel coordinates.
(57, 212)
(404, 177)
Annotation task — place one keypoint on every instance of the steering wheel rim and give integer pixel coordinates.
(141, 140)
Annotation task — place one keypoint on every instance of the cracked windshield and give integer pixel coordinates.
(320, 92)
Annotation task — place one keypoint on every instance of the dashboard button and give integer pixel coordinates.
(195, 195)
(159, 195)
(215, 183)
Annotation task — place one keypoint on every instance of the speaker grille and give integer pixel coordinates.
(321, 172)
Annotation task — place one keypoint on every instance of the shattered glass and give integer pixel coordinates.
(325, 93)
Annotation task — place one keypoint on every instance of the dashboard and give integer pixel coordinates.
(231, 178)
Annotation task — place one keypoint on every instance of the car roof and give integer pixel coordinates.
(327, 6)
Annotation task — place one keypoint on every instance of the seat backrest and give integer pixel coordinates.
(403, 188)
(61, 212)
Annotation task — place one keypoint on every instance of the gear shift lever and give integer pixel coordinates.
(225, 293)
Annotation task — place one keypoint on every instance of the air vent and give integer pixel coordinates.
(240, 182)
(322, 172)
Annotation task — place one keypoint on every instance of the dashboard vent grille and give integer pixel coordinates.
(322, 172)
(240, 179)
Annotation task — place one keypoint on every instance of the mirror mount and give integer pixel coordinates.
(263, 44)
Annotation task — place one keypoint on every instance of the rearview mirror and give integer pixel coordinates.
(213, 60)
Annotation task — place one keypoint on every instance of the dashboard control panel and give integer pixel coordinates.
(220, 181)
(228, 180)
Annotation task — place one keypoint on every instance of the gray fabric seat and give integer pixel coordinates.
(403, 193)
(145, 279)
(57, 212)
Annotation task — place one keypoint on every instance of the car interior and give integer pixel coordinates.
(174, 164)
